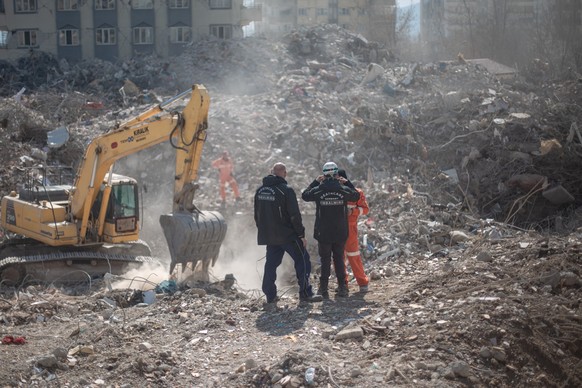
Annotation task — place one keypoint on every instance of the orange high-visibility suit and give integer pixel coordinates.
(352, 250)
(225, 168)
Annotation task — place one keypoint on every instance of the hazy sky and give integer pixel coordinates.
(404, 3)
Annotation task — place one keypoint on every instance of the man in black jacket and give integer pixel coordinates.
(331, 195)
(280, 228)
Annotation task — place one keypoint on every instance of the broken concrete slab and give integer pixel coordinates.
(558, 195)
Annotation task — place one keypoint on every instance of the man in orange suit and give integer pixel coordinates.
(225, 168)
(352, 250)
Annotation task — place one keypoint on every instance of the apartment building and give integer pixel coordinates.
(112, 30)
(452, 16)
(481, 27)
(374, 19)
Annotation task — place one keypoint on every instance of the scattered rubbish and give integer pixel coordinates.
(57, 137)
(374, 71)
(10, 340)
(18, 96)
(167, 287)
(149, 297)
(521, 116)
(452, 174)
(94, 105)
(310, 376)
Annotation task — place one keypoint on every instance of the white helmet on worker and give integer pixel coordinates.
(330, 169)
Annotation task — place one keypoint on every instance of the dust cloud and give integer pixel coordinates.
(146, 277)
(241, 256)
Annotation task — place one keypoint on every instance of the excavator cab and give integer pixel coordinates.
(121, 222)
(123, 202)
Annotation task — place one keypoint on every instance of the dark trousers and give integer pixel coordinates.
(326, 251)
(302, 268)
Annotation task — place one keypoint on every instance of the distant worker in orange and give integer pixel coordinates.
(225, 168)
(352, 250)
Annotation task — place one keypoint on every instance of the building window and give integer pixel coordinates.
(321, 11)
(180, 34)
(221, 31)
(220, 4)
(69, 37)
(25, 6)
(302, 11)
(3, 38)
(142, 4)
(143, 35)
(179, 3)
(104, 4)
(27, 38)
(344, 11)
(105, 36)
(67, 5)
(2, 9)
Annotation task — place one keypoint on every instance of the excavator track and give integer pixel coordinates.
(54, 265)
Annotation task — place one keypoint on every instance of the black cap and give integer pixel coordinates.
(342, 173)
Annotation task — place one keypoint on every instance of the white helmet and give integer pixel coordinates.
(330, 169)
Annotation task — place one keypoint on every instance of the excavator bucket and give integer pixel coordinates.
(193, 237)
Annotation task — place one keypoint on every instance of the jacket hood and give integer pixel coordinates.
(273, 180)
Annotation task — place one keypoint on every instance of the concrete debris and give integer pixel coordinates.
(472, 243)
(558, 195)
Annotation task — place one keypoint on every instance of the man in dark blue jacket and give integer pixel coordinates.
(280, 228)
(331, 196)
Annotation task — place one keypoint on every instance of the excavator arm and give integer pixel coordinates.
(185, 130)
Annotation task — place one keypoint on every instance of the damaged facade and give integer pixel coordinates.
(374, 19)
(75, 30)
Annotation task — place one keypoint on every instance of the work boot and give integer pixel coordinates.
(271, 304)
(311, 299)
(323, 292)
(322, 289)
(364, 289)
(343, 291)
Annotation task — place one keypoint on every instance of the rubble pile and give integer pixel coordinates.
(472, 242)
(500, 312)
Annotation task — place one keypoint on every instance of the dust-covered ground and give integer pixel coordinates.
(509, 319)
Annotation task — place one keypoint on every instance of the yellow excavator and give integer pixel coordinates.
(67, 233)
